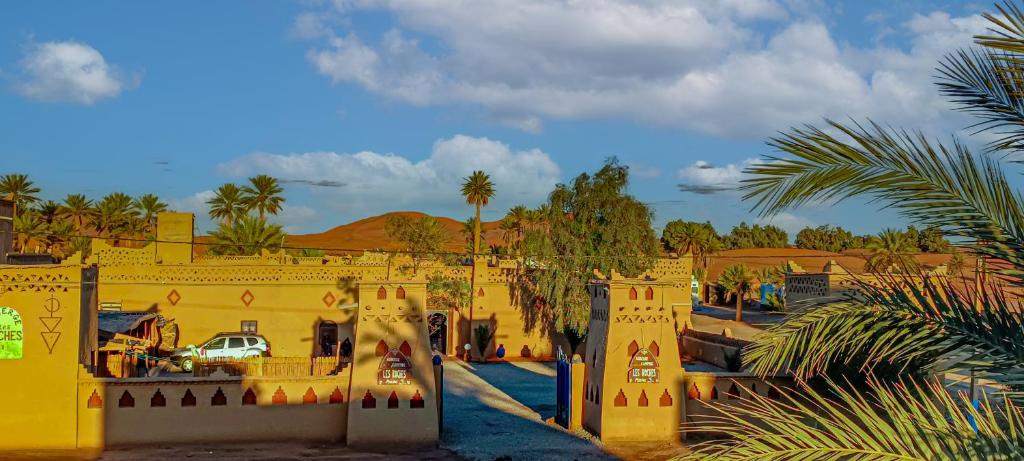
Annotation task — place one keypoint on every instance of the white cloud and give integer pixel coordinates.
(788, 222)
(294, 219)
(370, 182)
(705, 178)
(696, 64)
(195, 203)
(69, 72)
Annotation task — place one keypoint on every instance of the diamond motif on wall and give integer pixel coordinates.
(329, 299)
(173, 297)
(247, 298)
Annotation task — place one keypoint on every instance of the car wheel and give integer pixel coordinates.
(186, 365)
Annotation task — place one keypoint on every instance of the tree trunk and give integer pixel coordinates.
(739, 306)
(476, 232)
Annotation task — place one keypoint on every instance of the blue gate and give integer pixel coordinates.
(563, 389)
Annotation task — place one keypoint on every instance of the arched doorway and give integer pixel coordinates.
(437, 326)
(327, 337)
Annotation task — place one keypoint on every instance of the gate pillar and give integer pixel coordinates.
(393, 391)
(633, 388)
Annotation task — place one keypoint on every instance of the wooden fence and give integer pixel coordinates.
(270, 366)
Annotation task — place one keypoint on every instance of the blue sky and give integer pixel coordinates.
(393, 102)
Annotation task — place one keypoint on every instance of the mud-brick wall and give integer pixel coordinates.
(144, 411)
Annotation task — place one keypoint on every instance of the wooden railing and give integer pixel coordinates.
(270, 366)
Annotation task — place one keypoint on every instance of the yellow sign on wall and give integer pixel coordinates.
(12, 335)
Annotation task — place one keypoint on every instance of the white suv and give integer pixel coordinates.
(223, 346)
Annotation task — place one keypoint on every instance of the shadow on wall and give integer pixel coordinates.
(536, 316)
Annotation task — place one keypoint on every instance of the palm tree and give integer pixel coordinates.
(247, 236)
(28, 226)
(263, 195)
(740, 280)
(509, 231)
(112, 215)
(935, 327)
(48, 211)
(696, 239)
(891, 250)
(478, 191)
(58, 234)
(226, 205)
(76, 208)
(21, 191)
(150, 206)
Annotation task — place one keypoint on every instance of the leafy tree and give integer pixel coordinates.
(20, 189)
(58, 234)
(263, 194)
(756, 236)
(740, 280)
(247, 236)
(478, 191)
(48, 211)
(936, 327)
(826, 238)
(591, 223)
(422, 238)
(892, 250)
(931, 240)
(226, 204)
(113, 214)
(697, 239)
(513, 227)
(76, 208)
(28, 227)
(956, 264)
(150, 205)
(448, 292)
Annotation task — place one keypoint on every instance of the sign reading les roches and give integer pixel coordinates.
(12, 335)
(643, 368)
(394, 369)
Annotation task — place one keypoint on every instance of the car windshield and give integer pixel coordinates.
(216, 343)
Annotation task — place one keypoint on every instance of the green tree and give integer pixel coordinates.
(591, 223)
(28, 227)
(741, 281)
(247, 236)
(892, 250)
(687, 237)
(48, 211)
(149, 205)
(934, 328)
(825, 238)
(756, 236)
(931, 240)
(422, 238)
(478, 190)
(263, 194)
(113, 214)
(20, 189)
(226, 204)
(469, 229)
(77, 208)
(58, 234)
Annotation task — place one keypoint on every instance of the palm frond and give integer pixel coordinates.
(934, 326)
(897, 423)
(935, 185)
(1007, 33)
(989, 86)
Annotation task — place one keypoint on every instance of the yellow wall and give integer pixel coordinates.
(38, 391)
(617, 321)
(392, 321)
(105, 423)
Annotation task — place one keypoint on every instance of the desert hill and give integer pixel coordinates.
(369, 233)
